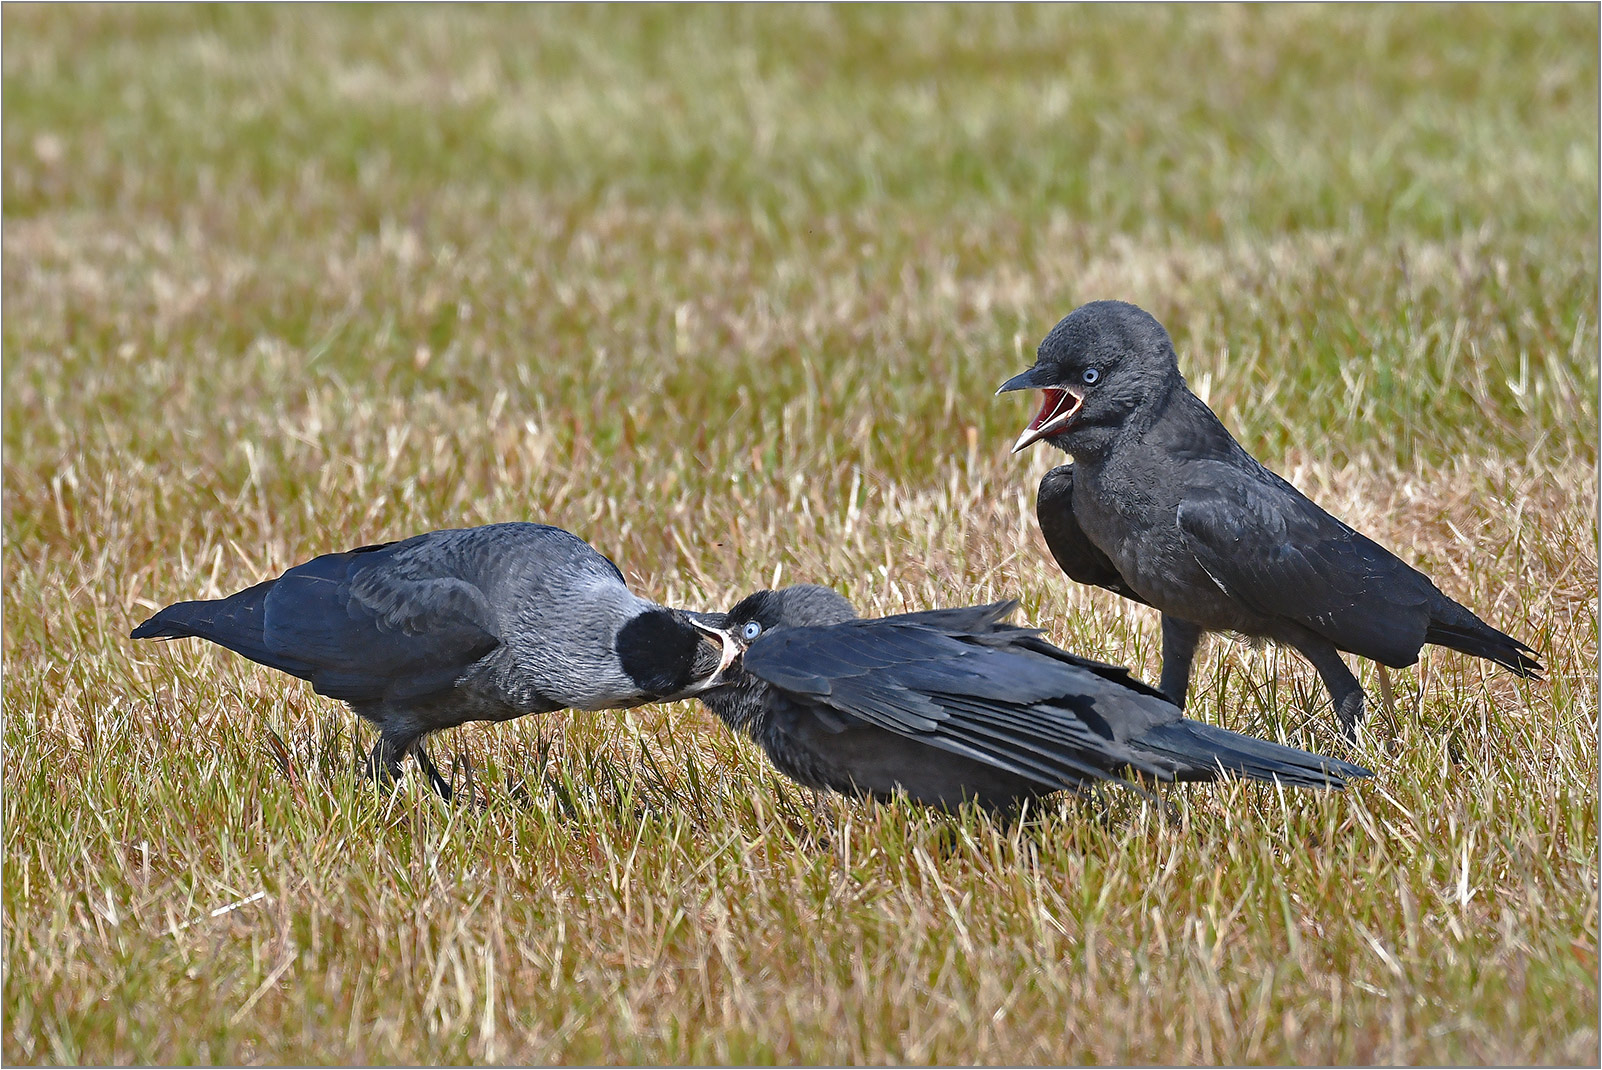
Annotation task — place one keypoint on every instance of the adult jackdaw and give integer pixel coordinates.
(956, 704)
(1163, 506)
(471, 624)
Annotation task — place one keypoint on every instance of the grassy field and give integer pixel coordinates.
(726, 292)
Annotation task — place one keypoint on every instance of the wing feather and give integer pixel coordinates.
(1070, 547)
(967, 691)
(1270, 548)
(378, 624)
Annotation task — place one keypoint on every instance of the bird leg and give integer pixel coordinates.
(1180, 639)
(382, 766)
(1344, 689)
(430, 770)
(465, 763)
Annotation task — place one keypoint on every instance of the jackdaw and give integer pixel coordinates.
(956, 704)
(1163, 506)
(469, 624)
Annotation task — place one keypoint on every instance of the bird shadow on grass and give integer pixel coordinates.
(582, 787)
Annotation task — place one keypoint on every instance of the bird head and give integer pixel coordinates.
(804, 604)
(671, 654)
(736, 697)
(1099, 364)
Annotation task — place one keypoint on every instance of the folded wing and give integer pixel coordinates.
(1070, 547)
(965, 682)
(377, 623)
(1280, 555)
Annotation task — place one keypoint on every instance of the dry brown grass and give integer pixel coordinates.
(734, 315)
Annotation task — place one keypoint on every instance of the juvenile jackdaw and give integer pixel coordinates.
(1163, 506)
(469, 624)
(956, 704)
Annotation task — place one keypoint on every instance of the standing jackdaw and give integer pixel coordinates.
(1163, 506)
(469, 624)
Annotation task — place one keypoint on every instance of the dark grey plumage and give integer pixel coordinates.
(470, 624)
(1163, 506)
(957, 704)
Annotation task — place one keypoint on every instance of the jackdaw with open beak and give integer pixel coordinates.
(951, 705)
(1163, 506)
(471, 624)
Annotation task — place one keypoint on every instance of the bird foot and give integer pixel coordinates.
(441, 786)
(380, 767)
(1351, 710)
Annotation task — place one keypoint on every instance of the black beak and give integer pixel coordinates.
(1035, 378)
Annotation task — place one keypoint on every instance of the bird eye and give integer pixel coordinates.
(1090, 376)
(751, 630)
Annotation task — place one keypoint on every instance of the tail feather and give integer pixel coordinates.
(237, 622)
(1453, 626)
(1203, 750)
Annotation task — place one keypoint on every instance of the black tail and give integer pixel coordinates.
(1201, 750)
(1451, 625)
(237, 622)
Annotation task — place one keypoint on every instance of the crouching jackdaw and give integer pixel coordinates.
(1163, 506)
(471, 624)
(956, 704)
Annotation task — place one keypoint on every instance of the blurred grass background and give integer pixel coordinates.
(726, 291)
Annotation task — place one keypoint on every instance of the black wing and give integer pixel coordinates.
(1270, 548)
(380, 622)
(387, 623)
(970, 689)
(987, 625)
(967, 683)
(1075, 554)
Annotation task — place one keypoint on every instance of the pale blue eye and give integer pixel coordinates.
(1090, 376)
(751, 630)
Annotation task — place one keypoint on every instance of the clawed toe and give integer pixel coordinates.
(380, 768)
(430, 770)
(1351, 712)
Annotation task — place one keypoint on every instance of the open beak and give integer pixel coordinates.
(1057, 410)
(730, 650)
